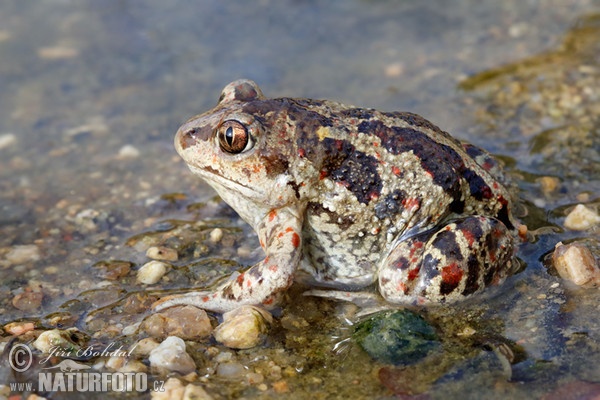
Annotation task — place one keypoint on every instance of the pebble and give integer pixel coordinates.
(18, 328)
(170, 356)
(548, 184)
(173, 389)
(576, 263)
(54, 338)
(152, 272)
(128, 151)
(57, 52)
(581, 218)
(7, 139)
(244, 327)
(162, 253)
(186, 322)
(216, 235)
(195, 392)
(231, 370)
(144, 347)
(23, 253)
(281, 387)
(112, 270)
(29, 300)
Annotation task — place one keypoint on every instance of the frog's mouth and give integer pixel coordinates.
(222, 184)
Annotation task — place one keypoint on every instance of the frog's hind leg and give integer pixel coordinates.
(448, 264)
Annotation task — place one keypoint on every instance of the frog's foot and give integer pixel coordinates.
(449, 264)
(246, 288)
(212, 301)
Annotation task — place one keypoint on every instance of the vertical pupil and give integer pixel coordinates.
(229, 135)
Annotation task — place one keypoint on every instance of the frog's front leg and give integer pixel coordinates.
(279, 234)
(447, 264)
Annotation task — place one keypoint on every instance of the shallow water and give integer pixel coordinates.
(92, 93)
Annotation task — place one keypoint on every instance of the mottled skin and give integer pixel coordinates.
(348, 197)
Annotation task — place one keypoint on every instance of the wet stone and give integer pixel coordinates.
(29, 300)
(170, 356)
(244, 327)
(22, 254)
(162, 253)
(151, 272)
(575, 263)
(112, 270)
(581, 218)
(186, 322)
(399, 337)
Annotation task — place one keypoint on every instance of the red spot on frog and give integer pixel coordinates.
(452, 274)
(240, 279)
(411, 203)
(413, 274)
(268, 301)
(295, 240)
(272, 215)
(396, 171)
(273, 268)
(469, 236)
(301, 153)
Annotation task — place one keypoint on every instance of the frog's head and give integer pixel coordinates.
(235, 149)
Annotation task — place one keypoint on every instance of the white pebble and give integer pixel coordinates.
(243, 327)
(216, 235)
(7, 139)
(162, 253)
(152, 272)
(128, 151)
(172, 389)
(23, 253)
(170, 356)
(581, 218)
(576, 263)
(231, 370)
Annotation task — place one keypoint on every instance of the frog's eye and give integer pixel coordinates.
(234, 138)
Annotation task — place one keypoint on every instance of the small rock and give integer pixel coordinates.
(398, 337)
(170, 356)
(281, 387)
(173, 390)
(18, 328)
(152, 272)
(576, 263)
(7, 139)
(216, 235)
(161, 253)
(255, 378)
(548, 184)
(23, 253)
(244, 327)
(144, 347)
(195, 392)
(57, 52)
(56, 338)
(90, 220)
(581, 218)
(394, 70)
(231, 370)
(112, 270)
(29, 300)
(186, 322)
(128, 151)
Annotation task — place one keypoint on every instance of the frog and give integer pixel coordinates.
(346, 198)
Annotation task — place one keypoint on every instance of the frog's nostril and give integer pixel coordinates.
(188, 138)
